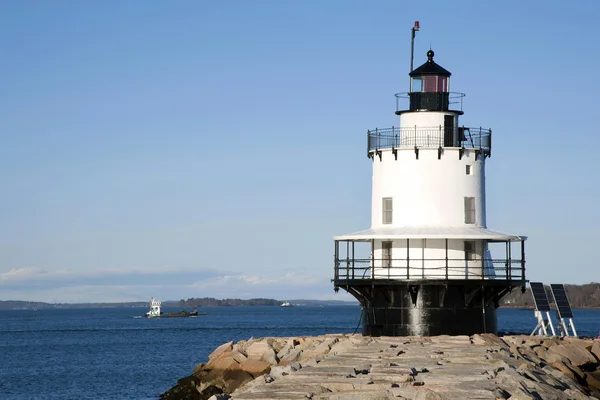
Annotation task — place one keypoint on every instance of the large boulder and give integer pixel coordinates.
(229, 367)
(595, 349)
(291, 357)
(494, 340)
(577, 355)
(255, 367)
(276, 343)
(184, 390)
(285, 349)
(225, 347)
(256, 350)
(238, 356)
(235, 378)
(223, 362)
(593, 381)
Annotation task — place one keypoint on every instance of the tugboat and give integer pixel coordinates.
(155, 312)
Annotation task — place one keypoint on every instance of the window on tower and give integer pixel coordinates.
(468, 170)
(387, 208)
(417, 84)
(442, 84)
(430, 84)
(470, 253)
(386, 254)
(469, 210)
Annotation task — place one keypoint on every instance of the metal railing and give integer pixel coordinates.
(434, 136)
(347, 269)
(433, 101)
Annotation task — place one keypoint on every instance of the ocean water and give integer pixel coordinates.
(110, 354)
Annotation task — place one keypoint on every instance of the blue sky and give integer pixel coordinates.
(192, 149)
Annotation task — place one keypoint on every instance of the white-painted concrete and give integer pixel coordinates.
(425, 128)
(428, 191)
(388, 232)
(426, 258)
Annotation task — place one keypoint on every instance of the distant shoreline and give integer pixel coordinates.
(585, 296)
(208, 302)
(25, 305)
(552, 307)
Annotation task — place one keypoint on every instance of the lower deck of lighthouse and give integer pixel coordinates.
(429, 286)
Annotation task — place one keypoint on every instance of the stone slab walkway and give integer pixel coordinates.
(419, 368)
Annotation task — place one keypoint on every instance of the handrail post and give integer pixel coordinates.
(446, 258)
(510, 260)
(523, 260)
(372, 259)
(335, 260)
(347, 259)
(353, 257)
(482, 260)
(507, 276)
(407, 258)
(415, 135)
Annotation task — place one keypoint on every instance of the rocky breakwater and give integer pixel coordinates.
(352, 367)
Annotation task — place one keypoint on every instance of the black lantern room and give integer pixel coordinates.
(429, 86)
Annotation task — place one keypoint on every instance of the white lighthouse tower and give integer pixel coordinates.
(427, 268)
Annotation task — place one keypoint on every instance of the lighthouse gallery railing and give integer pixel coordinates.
(434, 136)
(435, 269)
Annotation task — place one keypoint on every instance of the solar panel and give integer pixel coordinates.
(539, 296)
(561, 300)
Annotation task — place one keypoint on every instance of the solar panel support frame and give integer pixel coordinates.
(542, 326)
(562, 320)
(543, 323)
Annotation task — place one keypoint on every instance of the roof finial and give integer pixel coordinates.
(430, 55)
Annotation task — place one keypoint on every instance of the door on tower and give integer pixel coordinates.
(448, 130)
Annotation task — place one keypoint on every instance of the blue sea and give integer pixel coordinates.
(110, 354)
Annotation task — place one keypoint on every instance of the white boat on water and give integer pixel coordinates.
(155, 312)
(154, 309)
(286, 304)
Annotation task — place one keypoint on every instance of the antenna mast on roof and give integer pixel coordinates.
(413, 30)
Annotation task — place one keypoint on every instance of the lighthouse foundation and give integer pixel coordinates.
(428, 309)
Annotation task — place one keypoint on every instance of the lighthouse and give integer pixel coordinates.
(425, 266)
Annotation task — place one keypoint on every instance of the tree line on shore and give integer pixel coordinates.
(212, 302)
(580, 296)
(192, 302)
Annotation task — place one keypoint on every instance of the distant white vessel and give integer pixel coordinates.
(154, 309)
(286, 304)
(155, 312)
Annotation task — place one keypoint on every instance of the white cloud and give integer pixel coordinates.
(85, 294)
(290, 285)
(289, 279)
(21, 274)
(141, 283)
(27, 274)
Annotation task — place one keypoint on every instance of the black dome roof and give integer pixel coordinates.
(430, 68)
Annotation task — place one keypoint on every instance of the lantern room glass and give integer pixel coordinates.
(429, 84)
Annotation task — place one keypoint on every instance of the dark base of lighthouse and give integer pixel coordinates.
(452, 308)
